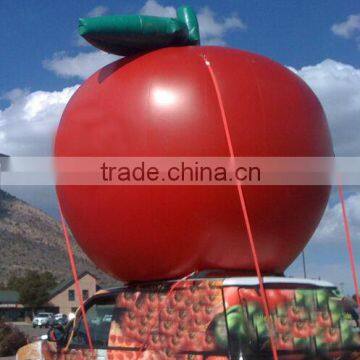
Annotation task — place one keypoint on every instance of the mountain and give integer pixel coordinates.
(31, 239)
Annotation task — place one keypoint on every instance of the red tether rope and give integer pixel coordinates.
(348, 241)
(178, 282)
(76, 278)
(245, 213)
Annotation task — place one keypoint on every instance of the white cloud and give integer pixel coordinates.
(13, 94)
(79, 40)
(81, 66)
(338, 87)
(212, 29)
(331, 228)
(97, 11)
(348, 28)
(153, 8)
(28, 124)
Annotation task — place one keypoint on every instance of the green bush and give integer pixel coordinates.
(11, 339)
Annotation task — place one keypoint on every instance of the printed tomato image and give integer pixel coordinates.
(282, 325)
(164, 104)
(161, 322)
(332, 335)
(323, 319)
(296, 313)
(231, 296)
(303, 320)
(306, 298)
(275, 299)
(288, 295)
(285, 342)
(329, 338)
(249, 295)
(302, 329)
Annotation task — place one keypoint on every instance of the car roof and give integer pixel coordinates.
(276, 280)
(246, 281)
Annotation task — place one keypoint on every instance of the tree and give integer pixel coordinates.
(33, 287)
(2, 286)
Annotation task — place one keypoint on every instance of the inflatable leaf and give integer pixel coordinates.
(133, 34)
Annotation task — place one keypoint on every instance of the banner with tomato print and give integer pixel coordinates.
(162, 322)
(305, 321)
(192, 319)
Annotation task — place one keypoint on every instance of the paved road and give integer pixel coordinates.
(29, 331)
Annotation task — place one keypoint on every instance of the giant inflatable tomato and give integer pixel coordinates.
(156, 232)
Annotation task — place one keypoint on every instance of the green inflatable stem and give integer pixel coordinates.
(133, 34)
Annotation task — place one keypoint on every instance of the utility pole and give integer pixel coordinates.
(304, 263)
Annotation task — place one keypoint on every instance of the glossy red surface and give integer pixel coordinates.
(148, 232)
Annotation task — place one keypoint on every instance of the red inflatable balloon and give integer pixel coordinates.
(157, 232)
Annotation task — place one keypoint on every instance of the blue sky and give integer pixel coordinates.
(43, 61)
(295, 33)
